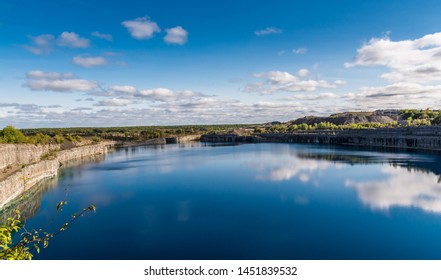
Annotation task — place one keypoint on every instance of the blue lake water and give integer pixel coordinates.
(254, 201)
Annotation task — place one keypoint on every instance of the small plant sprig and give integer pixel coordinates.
(33, 239)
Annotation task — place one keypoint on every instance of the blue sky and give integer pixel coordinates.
(111, 63)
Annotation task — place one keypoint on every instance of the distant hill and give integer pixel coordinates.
(379, 116)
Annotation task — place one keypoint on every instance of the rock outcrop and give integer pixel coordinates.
(34, 169)
(13, 155)
(351, 118)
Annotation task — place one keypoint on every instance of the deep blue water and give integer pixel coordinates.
(262, 201)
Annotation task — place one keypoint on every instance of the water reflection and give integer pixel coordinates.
(29, 203)
(286, 169)
(407, 180)
(411, 188)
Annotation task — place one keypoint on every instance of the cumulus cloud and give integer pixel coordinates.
(58, 82)
(300, 51)
(107, 37)
(89, 61)
(141, 28)
(416, 60)
(279, 81)
(72, 40)
(267, 31)
(176, 35)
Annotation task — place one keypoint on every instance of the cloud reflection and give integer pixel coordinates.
(303, 169)
(401, 188)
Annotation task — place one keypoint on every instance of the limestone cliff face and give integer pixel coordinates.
(11, 155)
(36, 169)
(82, 152)
(26, 178)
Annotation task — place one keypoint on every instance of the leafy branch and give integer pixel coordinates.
(33, 239)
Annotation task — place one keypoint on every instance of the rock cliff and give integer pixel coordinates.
(13, 155)
(34, 169)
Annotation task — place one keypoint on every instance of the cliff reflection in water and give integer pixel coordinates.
(29, 203)
(405, 180)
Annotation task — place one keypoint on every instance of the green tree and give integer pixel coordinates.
(10, 134)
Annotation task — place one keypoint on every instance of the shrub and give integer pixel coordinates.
(59, 139)
(10, 134)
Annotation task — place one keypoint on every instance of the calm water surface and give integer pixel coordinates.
(263, 201)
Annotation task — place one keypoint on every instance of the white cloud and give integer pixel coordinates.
(114, 102)
(300, 51)
(395, 96)
(321, 96)
(267, 31)
(89, 61)
(141, 28)
(278, 81)
(58, 82)
(416, 60)
(303, 72)
(176, 35)
(168, 95)
(103, 36)
(124, 89)
(42, 44)
(37, 74)
(72, 40)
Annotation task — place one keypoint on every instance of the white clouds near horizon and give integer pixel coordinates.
(280, 81)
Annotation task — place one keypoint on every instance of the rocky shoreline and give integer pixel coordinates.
(30, 164)
(411, 138)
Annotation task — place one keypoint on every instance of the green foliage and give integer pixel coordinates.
(39, 138)
(95, 139)
(7, 250)
(51, 154)
(419, 114)
(59, 139)
(33, 239)
(331, 126)
(11, 135)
